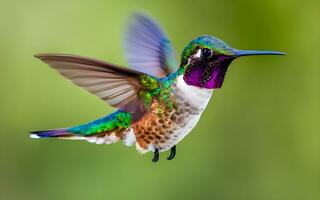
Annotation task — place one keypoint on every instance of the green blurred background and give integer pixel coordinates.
(258, 140)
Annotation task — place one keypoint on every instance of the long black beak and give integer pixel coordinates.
(240, 53)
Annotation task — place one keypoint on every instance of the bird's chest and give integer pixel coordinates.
(165, 128)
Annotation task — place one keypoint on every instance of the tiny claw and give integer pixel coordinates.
(172, 153)
(155, 156)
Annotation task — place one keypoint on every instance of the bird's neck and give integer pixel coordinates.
(170, 79)
(197, 97)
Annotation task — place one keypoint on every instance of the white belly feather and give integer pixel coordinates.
(198, 99)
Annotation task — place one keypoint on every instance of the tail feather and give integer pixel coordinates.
(127, 136)
(50, 133)
(106, 130)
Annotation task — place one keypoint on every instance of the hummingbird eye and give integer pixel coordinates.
(206, 53)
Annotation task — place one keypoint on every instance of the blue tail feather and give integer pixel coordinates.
(50, 133)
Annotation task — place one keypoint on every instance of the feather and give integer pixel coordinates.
(116, 85)
(148, 48)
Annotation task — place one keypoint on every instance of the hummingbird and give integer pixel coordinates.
(158, 101)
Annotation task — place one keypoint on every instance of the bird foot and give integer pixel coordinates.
(172, 153)
(170, 157)
(155, 155)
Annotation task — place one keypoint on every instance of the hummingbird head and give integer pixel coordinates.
(206, 59)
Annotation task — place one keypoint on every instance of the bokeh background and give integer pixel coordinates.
(259, 138)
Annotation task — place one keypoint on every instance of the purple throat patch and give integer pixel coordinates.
(207, 74)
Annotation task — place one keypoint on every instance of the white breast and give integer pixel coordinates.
(190, 97)
(196, 96)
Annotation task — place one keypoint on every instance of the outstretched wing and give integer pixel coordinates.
(147, 47)
(116, 85)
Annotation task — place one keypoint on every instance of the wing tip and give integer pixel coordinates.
(42, 56)
(38, 55)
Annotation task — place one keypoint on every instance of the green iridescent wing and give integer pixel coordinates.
(118, 86)
(147, 47)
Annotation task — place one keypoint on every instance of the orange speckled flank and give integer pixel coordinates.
(155, 128)
(160, 129)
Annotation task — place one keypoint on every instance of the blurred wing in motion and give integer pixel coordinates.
(116, 85)
(148, 48)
